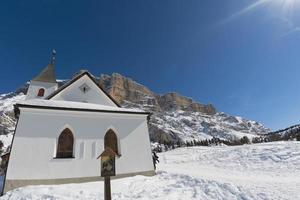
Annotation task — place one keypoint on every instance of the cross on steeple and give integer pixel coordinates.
(48, 73)
(52, 61)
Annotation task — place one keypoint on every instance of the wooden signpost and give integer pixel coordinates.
(108, 169)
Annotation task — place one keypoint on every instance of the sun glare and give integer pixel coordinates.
(284, 10)
(288, 5)
(285, 6)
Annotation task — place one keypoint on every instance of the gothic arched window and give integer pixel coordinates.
(65, 144)
(111, 141)
(41, 92)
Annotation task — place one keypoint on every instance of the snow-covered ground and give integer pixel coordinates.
(260, 171)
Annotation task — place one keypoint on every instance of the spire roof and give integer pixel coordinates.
(48, 73)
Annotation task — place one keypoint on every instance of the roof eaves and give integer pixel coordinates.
(17, 106)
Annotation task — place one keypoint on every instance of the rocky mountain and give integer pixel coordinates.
(175, 117)
(125, 89)
(290, 133)
(7, 118)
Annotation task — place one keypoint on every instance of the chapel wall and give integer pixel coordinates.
(34, 147)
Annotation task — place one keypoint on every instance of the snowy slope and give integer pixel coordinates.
(7, 120)
(290, 133)
(261, 171)
(187, 125)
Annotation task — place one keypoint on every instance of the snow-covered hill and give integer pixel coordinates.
(290, 133)
(7, 119)
(249, 172)
(189, 125)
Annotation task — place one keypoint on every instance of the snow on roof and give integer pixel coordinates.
(71, 105)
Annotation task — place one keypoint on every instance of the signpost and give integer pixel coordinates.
(108, 169)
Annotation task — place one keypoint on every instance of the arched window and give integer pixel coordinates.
(111, 141)
(65, 144)
(41, 92)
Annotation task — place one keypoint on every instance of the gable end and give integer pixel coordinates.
(77, 78)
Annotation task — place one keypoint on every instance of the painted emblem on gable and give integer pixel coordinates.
(84, 88)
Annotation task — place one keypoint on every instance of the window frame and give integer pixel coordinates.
(41, 92)
(57, 156)
(111, 131)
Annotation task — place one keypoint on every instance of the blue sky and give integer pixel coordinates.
(241, 55)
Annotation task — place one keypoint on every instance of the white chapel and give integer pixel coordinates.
(61, 131)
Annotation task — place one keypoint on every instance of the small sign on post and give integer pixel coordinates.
(108, 169)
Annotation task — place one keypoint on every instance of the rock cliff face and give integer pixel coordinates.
(124, 89)
(174, 101)
(175, 117)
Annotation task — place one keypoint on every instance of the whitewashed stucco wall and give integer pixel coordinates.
(36, 85)
(34, 146)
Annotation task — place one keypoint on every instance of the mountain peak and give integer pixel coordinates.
(125, 89)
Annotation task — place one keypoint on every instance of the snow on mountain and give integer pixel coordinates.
(7, 120)
(178, 118)
(181, 125)
(8, 100)
(265, 171)
(290, 133)
(175, 117)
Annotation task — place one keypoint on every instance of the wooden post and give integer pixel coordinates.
(107, 170)
(107, 192)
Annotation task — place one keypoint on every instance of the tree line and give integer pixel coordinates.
(169, 145)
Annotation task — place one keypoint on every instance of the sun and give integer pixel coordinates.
(281, 7)
(285, 10)
(286, 6)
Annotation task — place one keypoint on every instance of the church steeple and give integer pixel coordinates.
(48, 73)
(45, 83)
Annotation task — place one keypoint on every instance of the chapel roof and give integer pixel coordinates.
(75, 106)
(107, 152)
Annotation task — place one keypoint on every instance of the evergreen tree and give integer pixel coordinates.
(245, 140)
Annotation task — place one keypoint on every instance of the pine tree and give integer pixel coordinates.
(245, 140)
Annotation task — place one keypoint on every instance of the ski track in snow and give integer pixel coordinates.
(259, 171)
